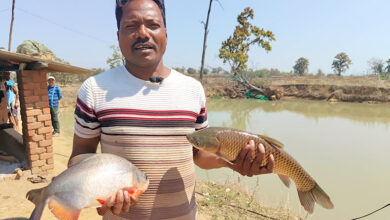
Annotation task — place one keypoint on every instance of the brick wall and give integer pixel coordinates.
(36, 120)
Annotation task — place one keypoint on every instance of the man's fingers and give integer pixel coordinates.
(248, 159)
(117, 208)
(271, 163)
(106, 206)
(256, 165)
(126, 203)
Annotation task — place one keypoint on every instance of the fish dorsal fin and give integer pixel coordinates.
(81, 157)
(272, 141)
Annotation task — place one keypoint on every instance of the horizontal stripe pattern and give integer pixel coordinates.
(146, 123)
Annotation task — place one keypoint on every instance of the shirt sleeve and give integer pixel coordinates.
(201, 120)
(59, 93)
(87, 124)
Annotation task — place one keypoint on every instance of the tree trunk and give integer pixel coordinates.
(206, 31)
(12, 24)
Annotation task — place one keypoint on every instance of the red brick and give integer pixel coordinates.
(44, 85)
(44, 117)
(26, 79)
(41, 92)
(38, 163)
(32, 99)
(34, 112)
(42, 104)
(29, 106)
(47, 167)
(35, 170)
(31, 133)
(26, 92)
(45, 143)
(49, 149)
(48, 123)
(38, 78)
(31, 119)
(45, 156)
(41, 150)
(46, 111)
(44, 130)
(36, 138)
(35, 125)
(34, 157)
(31, 86)
(50, 161)
(49, 136)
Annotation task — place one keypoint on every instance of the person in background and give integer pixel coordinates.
(54, 93)
(12, 94)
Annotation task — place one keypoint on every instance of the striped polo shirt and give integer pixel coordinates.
(146, 123)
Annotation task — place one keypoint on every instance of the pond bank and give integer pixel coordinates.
(361, 89)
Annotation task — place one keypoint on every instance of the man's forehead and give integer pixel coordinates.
(146, 7)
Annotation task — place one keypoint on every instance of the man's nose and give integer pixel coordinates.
(143, 32)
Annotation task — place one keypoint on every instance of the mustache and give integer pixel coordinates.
(143, 41)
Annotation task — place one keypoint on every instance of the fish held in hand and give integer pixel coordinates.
(88, 182)
(227, 143)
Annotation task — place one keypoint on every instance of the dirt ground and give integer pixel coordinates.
(13, 202)
(13, 192)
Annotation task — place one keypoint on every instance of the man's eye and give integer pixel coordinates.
(154, 26)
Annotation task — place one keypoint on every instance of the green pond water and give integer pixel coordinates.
(344, 146)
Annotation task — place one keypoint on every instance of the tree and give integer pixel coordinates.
(191, 70)
(206, 32)
(376, 66)
(116, 59)
(217, 70)
(234, 50)
(320, 72)
(341, 63)
(387, 69)
(301, 66)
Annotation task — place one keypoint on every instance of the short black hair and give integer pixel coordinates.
(121, 3)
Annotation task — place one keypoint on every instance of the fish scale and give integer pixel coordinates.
(228, 143)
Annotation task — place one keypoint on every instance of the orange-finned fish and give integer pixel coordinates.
(227, 144)
(88, 182)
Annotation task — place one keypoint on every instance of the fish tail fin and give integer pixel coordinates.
(316, 194)
(36, 197)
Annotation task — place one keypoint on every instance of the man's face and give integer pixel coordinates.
(142, 34)
(50, 82)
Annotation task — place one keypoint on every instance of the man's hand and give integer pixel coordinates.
(246, 165)
(118, 203)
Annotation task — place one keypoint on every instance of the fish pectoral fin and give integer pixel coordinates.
(62, 212)
(81, 157)
(285, 180)
(272, 141)
(224, 158)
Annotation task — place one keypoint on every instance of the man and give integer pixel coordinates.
(12, 94)
(55, 96)
(142, 112)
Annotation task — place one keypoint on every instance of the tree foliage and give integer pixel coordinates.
(234, 50)
(377, 66)
(301, 66)
(387, 68)
(341, 63)
(116, 59)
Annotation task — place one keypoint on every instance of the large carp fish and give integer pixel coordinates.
(227, 143)
(88, 182)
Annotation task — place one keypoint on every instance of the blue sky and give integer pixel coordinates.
(82, 31)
